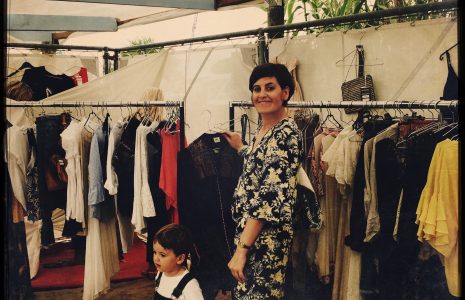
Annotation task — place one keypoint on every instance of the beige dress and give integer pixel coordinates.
(341, 158)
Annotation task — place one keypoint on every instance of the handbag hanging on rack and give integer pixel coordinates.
(360, 88)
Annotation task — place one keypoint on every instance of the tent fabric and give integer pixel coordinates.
(212, 77)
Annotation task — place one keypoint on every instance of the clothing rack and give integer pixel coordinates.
(147, 104)
(453, 104)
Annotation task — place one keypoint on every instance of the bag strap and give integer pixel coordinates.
(181, 285)
(361, 60)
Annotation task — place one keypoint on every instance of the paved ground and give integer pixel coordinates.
(129, 290)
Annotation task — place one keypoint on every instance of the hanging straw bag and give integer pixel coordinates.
(360, 88)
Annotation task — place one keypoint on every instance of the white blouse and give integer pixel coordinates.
(71, 141)
(143, 202)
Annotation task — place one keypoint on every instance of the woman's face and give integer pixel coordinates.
(268, 96)
(166, 260)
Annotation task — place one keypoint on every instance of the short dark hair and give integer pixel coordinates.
(175, 237)
(279, 71)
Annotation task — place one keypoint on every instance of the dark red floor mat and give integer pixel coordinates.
(73, 276)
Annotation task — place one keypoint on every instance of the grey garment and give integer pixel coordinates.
(101, 204)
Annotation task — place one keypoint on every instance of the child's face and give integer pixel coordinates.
(166, 261)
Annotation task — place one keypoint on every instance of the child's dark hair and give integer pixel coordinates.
(175, 237)
(279, 71)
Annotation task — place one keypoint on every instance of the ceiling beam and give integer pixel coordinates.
(23, 22)
(33, 36)
(158, 17)
(192, 4)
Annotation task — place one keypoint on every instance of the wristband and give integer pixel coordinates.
(242, 245)
(242, 150)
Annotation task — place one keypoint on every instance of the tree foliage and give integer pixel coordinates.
(140, 42)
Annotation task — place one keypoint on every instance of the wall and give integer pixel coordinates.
(403, 60)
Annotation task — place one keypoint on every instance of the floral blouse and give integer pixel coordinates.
(267, 191)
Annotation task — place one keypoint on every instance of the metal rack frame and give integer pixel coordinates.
(147, 104)
(259, 32)
(453, 104)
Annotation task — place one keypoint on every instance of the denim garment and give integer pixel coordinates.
(101, 203)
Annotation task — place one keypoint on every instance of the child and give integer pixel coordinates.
(171, 247)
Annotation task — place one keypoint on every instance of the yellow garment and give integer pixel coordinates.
(438, 210)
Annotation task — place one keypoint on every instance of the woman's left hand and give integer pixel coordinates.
(237, 263)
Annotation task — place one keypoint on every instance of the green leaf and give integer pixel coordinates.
(290, 5)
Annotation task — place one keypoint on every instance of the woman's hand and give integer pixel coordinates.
(237, 263)
(234, 139)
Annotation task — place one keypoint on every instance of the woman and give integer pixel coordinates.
(266, 192)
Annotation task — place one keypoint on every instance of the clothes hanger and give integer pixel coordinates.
(331, 119)
(341, 117)
(441, 56)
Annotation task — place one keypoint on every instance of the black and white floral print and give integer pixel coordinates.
(267, 191)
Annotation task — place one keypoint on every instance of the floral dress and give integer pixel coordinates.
(267, 191)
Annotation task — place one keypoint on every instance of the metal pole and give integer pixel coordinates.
(94, 103)
(392, 12)
(182, 128)
(53, 47)
(375, 15)
(262, 49)
(434, 104)
(115, 60)
(231, 117)
(106, 56)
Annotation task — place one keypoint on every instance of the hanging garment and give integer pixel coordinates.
(71, 141)
(49, 144)
(425, 278)
(125, 227)
(101, 204)
(373, 223)
(143, 201)
(45, 84)
(451, 88)
(385, 254)
(437, 211)
(169, 169)
(325, 251)
(101, 254)
(101, 260)
(209, 174)
(32, 180)
(347, 261)
(123, 163)
(17, 283)
(80, 77)
(18, 156)
(154, 153)
(111, 183)
(307, 124)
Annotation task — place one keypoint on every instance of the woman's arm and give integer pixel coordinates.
(251, 231)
